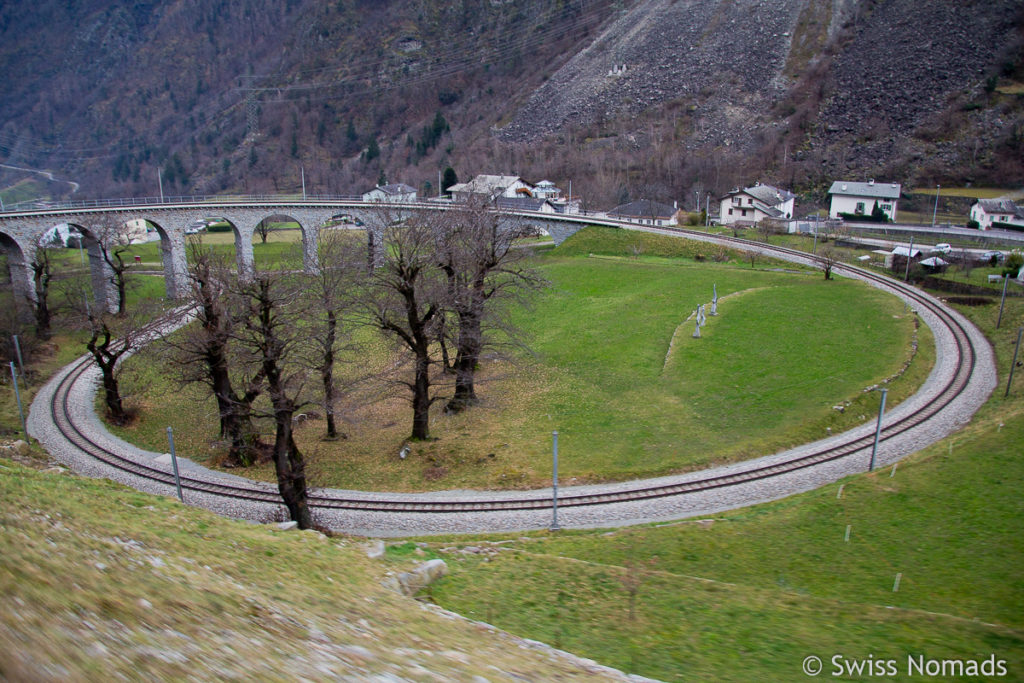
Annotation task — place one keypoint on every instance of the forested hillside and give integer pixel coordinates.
(627, 98)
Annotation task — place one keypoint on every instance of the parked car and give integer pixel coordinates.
(942, 248)
(989, 255)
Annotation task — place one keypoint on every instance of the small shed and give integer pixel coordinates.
(897, 258)
(934, 264)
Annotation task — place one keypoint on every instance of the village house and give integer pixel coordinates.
(491, 187)
(988, 211)
(860, 199)
(393, 193)
(754, 204)
(645, 212)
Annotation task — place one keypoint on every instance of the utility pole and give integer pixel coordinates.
(910, 252)
(936, 209)
(160, 180)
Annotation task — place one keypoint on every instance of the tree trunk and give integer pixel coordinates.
(106, 360)
(112, 395)
(466, 362)
(327, 374)
(41, 307)
(421, 398)
(235, 411)
(291, 474)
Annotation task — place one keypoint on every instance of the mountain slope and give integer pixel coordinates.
(626, 98)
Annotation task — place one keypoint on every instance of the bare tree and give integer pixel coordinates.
(203, 356)
(339, 256)
(111, 339)
(264, 228)
(828, 258)
(114, 244)
(42, 274)
(474, 249)
(404, 299)
(270, 331)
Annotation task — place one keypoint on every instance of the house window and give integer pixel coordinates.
(736, 201)
(750, 201)
(730, 212)
(886, 207)
(744, 213)
(860, 208)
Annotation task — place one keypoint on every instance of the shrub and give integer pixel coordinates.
(1013, 264)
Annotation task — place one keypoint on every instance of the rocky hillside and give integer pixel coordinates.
(626, 98)
(722, 60)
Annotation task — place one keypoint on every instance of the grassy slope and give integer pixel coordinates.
(98, 581)
(778, 582)
(600, 376)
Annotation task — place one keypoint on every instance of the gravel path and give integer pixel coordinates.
(375, 523)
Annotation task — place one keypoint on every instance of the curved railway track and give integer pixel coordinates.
(960, 354)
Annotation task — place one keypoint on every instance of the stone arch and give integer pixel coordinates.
(243, 243)
(19, 257)
(310, 230)
(101, 275)
(172, 256)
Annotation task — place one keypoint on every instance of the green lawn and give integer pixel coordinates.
(969, 192)
(765, 375)
(282, 245)
(774, 583)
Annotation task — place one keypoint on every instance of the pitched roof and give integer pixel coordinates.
(869, 189)
(769, 195)
(1000, 205)
(395, 188)
(520, 203)
(487, 184)
(644, 208)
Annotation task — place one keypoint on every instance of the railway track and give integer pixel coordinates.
(960, 354)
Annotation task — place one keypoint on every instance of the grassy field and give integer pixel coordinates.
(775, 583)
(617, 372)
(282, 245)
(970, 192)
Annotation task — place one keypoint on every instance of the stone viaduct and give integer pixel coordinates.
(21, 231)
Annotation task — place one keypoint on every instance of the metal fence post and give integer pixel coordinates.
(1013, 363)
(1002, 301)
(554, 487)
(878, 430)
(17, 396)
(174, 463)
(21, 363)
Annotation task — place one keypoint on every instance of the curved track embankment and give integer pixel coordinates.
(63, 419)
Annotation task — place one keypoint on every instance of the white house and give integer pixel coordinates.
(491, 187)
(753, 204)
(859, 199)
(546, 189)
(989, 211)
(393, 193)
